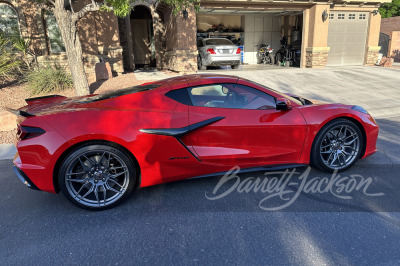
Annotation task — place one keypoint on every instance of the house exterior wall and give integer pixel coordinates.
(180, 41)
(391, 27)
(175, 37)
(98, 33)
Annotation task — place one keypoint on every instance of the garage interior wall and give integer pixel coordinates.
(205, 22)
(260, 28)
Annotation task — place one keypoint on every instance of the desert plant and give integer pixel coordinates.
(9, 63)
(48, 78)
(22, 46)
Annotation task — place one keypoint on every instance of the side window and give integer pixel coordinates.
(180, 95)
(230, 96)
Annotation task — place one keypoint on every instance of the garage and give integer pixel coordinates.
(347, 36)
(248, 28)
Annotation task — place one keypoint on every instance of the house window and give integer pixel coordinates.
(340, 16)
(352, 16)
(331, 16)
(362, 16)
(54, 38)
(9, 25)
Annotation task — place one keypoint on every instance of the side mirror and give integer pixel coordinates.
(283, 104)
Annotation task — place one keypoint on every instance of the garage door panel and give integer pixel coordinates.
(347, 38)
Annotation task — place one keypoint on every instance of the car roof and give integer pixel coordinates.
(195, 78)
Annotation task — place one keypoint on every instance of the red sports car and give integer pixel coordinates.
(96, 149)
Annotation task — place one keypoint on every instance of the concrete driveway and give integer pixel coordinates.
(374, 88)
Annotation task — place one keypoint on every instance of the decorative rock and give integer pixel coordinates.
(103, 71)
(7, 121)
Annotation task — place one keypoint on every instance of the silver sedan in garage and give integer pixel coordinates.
(217, 52)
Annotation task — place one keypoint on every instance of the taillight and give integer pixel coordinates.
(238, 51)
(211, 51)
(29, 132)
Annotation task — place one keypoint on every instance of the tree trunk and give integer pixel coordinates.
(69, 32)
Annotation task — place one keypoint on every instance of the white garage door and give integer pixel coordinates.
(347, 37)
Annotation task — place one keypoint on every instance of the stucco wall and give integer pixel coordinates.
(180, 41)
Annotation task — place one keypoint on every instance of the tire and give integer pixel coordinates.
(271, 59)
(341, 137)
(97, 177)
(235, 66)
(278, 59)
(200, 64)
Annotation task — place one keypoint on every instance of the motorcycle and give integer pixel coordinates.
(288, 55)
(266, 54)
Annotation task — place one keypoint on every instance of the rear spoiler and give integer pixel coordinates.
(18, 112)
(30, 100)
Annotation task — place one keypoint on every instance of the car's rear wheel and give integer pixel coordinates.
(235, 66)
(97, 177)
(337, 146)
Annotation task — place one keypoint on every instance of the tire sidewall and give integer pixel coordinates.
(79, 150)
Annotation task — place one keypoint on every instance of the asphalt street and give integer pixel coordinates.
(356, 222)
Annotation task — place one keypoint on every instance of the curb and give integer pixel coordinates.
(7, 151)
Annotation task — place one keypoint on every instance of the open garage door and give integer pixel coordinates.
(347, 37)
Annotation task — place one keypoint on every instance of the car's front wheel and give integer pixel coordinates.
(338, 145)
(97, 177)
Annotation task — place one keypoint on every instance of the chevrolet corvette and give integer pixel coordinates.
(97, 149)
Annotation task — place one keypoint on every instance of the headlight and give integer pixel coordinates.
(359, 109)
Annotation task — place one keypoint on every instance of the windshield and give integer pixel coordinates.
(219, 42)
(284, 95)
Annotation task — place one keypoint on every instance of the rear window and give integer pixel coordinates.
(219, 42)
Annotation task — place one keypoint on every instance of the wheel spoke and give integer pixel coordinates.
(108, 161)
(112, 189)
(77, 180)
(87, 193)
(118, 174)
(83, 186)
(115, 182)
(349, 147)
(340, 130)
(352, 135)
(104, 194)
(80, 173)
(326, 151)
(84, 166)
(96, 193)
(90, 160)
(101, 158)
(348, 143)
(334, 158)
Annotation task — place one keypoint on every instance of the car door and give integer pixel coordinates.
(245, 128)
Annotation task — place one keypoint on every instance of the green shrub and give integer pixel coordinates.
(45, 79)
(9, 63)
